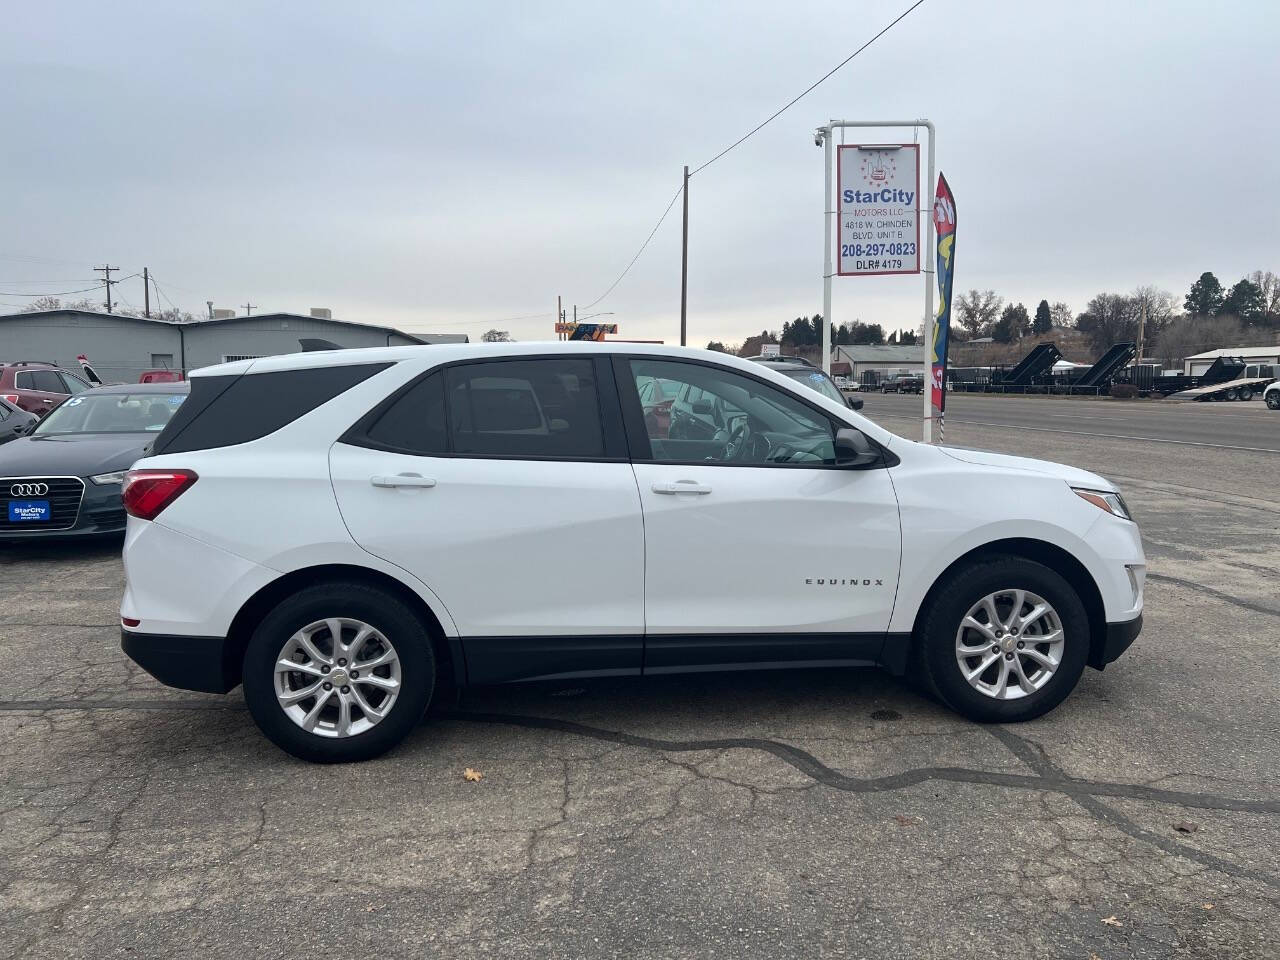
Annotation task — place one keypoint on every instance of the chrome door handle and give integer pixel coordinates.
(681, 486)
(403, 480)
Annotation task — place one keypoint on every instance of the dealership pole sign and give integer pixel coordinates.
(878, 209)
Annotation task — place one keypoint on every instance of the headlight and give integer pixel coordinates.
(103, 479)
(1107, 500)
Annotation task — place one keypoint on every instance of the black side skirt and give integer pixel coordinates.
(507, 659)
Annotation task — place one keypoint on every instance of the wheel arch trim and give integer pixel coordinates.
(1051, 555)
(440, 626)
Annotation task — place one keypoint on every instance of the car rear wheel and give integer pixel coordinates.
(1003, 640)
(1273, 399)
(1246, 393)
(338, 672)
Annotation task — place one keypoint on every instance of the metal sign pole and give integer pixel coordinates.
(928, 268)
(826, 262)
(823, 139)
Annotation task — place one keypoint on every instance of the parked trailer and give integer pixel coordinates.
(1099, 376)
(1223, 371)
(1040, 360)
(1245, 388)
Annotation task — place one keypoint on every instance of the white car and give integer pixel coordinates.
(351, 534)
(1272, 395)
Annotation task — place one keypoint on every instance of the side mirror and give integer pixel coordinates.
(855, 403)
(853, 449)
(556, 425)
(701, 407)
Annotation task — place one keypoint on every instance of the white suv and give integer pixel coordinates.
(351, 534)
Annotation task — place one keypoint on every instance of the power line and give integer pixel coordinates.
(756, 129)
(59, 293)
(27, 259)
(6, 283)
(750, 133)
(674, 197)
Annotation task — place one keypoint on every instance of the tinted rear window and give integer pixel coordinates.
(223, 411)
(415, 422)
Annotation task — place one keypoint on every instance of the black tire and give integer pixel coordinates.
(1273, 399)
(1246, 393)
(962, 588)
(357, 601)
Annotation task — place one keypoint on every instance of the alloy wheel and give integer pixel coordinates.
(1009, 644)
(337, 677)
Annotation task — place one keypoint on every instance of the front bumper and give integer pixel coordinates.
(207, 664)
(101, 512)
(1115, 641)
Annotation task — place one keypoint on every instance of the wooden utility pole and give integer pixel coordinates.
(146, 293)
(248, 308)
(684, 266)
(559, 319)
(106, 278)
(1142, 329)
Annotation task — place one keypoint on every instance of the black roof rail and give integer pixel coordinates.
(31, 363)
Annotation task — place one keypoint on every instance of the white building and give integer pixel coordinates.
(120, 348)
(1198, 364)
(883, 360)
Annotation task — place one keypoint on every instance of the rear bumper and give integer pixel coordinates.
(206, 664)
(1115, 642)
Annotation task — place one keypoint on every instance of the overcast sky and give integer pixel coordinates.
(443, 167)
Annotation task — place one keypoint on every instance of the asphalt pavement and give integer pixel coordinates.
(1248, 425)
(824, 813)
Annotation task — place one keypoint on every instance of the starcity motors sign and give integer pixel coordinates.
(879, 188)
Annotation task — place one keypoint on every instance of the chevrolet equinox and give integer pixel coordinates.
(349, 534)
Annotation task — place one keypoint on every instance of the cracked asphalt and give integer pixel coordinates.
(825, 813)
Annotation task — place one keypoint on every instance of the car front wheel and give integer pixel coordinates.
(338, 673)
(1003, 640)
(1273, 399)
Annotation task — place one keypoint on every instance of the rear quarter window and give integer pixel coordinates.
(224, 411)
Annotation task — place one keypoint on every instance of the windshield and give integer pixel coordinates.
(816, 380)
(111, 413)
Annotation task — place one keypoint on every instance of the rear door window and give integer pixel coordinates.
(45, 381)
(414, 423)
(541, 408)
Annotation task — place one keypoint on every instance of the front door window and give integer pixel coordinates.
(722, 416)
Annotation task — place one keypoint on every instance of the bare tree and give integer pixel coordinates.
(42, 303)
(53, 303)
(1109, 318)
(174, 315)
(1162, 307)
(1062, 314)
(496, 336)
(1269, 284)
(977, 311)
(1188, 335)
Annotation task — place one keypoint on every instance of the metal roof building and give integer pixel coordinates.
(883, 359)
(121, 347)
(1200, 362)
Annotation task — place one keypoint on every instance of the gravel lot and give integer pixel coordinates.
(831, 813)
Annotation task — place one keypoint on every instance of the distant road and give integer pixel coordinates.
(1240, 426)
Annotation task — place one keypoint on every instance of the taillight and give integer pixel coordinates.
(11, 397)
(146, 492)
